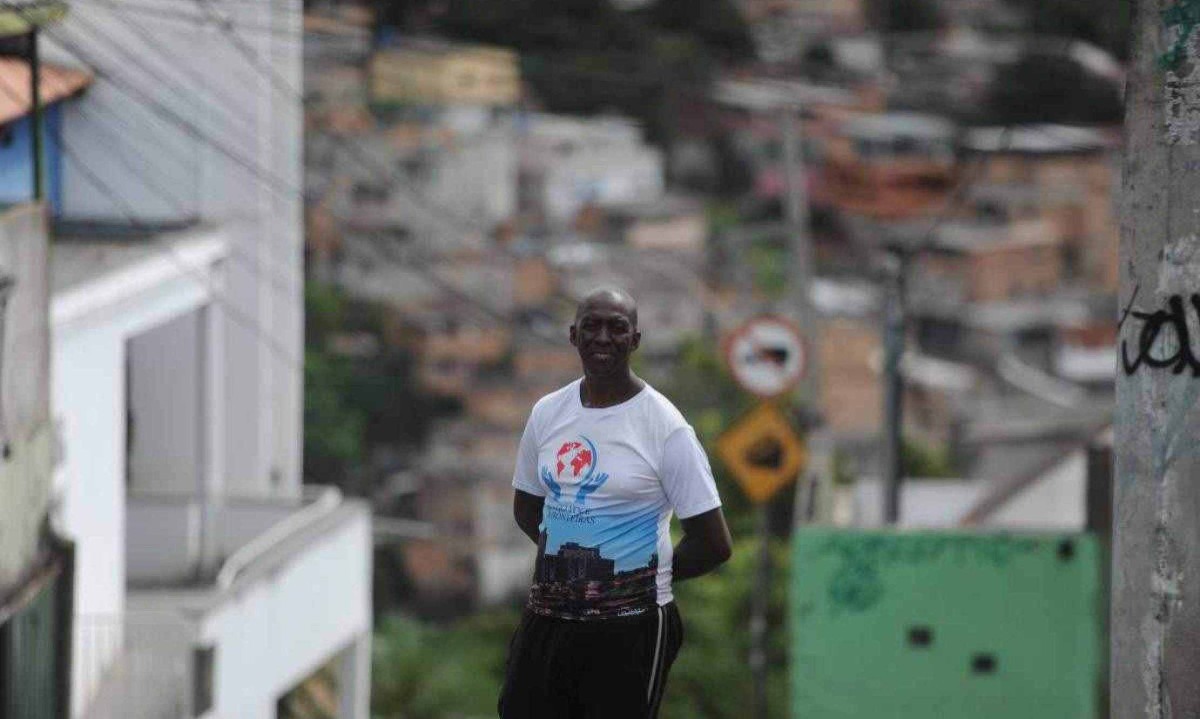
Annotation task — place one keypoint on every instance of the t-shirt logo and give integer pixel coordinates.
(575, 456)
(575, 464)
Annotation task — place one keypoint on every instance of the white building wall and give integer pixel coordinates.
(224, 144)
(91, 325)
(1058, 501)
(280, 628)
(89, 386)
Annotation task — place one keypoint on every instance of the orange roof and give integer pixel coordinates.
(58, 83)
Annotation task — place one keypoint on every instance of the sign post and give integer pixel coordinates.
(766, 356)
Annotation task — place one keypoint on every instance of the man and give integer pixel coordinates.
(602, 464)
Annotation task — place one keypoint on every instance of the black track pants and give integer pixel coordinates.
(603, 669)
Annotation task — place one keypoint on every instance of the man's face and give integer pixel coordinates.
(605, 336)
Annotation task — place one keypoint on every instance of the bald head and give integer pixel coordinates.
(609, 298)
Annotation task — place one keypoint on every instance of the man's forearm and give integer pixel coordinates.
(530, 528)
(694, 558)
(527, 511)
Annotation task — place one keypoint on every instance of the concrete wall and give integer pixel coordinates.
(163, 534)
(166, 407)
(162, 540)
(276, 629)
(209, 132)
(24, 392)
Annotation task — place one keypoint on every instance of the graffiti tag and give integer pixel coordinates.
(1154, 349)
(1182, 106)
(1181, 19)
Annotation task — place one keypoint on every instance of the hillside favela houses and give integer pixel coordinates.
(165, 380)
(440, 187)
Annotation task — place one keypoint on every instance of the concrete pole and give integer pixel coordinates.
(1156, 543)
(802, 266)
(814, 491)
(893, 388)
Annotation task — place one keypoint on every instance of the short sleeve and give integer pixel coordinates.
(525, 475)
(686, 475)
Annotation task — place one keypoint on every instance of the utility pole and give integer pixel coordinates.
(893, 389)
(35, 116)
(801, 262)
(1156, 533)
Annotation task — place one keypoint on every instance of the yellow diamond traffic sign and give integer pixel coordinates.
(763, 452)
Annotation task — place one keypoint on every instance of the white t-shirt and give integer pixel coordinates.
(611, 477)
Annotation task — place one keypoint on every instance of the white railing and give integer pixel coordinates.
(329, 499)
(164, 534)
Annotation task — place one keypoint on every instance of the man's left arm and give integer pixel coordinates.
(688, 481)
(705, 545)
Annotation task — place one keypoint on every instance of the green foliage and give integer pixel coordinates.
(721, 217)
(711, 678)
(426, 671)
(770, 269)
(924, 461)
(333, 428)
(423, 671)
(324, 311)
(583, 56)
(351, 404)
(716, 24)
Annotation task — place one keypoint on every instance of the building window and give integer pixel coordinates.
(203, 665)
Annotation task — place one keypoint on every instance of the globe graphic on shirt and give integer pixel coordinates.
(574, 460)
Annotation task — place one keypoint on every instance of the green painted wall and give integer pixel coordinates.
(945, 625)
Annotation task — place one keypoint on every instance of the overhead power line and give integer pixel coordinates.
(233, 312)
(261, 176)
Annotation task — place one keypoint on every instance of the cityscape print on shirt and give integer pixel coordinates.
(592, 562)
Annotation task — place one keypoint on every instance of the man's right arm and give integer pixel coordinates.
(527, 510)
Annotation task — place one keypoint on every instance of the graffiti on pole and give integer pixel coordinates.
(1182, 105)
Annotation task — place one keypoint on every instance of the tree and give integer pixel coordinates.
(352, 404)
(423, 671)
(586, 56)
(1105, 23)
(333, 429)
(905, 15)
(1052, 88)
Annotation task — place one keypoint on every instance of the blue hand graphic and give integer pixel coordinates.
(548, 479)
(591, 484)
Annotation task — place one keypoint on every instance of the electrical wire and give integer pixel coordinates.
(200, 82)
(201, 136)
(215, 295)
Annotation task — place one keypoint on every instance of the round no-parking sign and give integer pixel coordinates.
(766, 355)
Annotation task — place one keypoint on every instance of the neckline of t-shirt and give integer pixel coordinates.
(576, 392)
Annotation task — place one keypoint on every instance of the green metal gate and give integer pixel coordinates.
(35, 648)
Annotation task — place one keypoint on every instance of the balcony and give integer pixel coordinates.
(288, 594)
